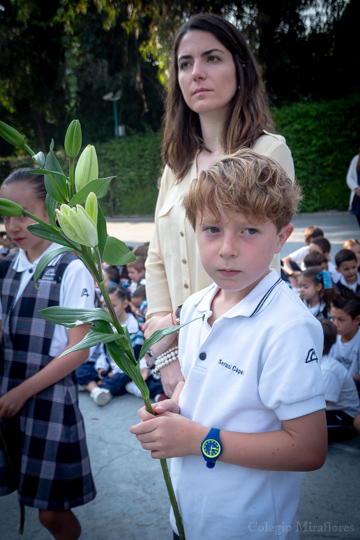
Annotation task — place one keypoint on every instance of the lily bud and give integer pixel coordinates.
(77, 225)
(73, 139)
(91, 206)
(10, 208)
(11, 135)
(87, 168)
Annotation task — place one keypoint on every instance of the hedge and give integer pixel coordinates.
(323, 138)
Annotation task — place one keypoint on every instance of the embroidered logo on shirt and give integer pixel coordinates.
(311, 357)
(231, 367)
(48, 276)
(84, 292)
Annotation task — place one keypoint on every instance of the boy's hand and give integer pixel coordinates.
(169, 434)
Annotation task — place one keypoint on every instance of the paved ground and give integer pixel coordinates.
(132, 502)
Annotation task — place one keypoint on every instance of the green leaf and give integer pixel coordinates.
(50, 205)
(159, 334)
(129, 367)
(48, 233)
(69, 316)
(102, 232)
(117, 253)
(46, 259)
(99, 186)
(91, 340)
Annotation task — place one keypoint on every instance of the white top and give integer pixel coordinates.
(351, 178)
(348, 354)
(173, 266)
(340, 390)
(254, 368)
(299, 255)
(76, 290)
(335, 275)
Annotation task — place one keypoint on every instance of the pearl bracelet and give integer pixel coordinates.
(171, 355)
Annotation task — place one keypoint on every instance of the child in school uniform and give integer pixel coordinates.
(347, 266)
(39, 412)
(345, 314)
(249, 414)
(136, 272)
(342, 400)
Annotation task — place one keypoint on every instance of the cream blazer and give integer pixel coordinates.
(173, 267)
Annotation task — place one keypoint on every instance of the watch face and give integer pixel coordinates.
(211, 448)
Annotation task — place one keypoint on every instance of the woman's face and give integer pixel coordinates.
(206, 72)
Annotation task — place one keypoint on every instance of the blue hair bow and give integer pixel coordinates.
(325, 277)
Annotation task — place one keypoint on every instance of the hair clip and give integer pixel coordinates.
(325, 277)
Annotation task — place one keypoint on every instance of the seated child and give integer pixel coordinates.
(139, 304)
(104, 386)
(317, 291)
(293, 263)
(345, 314)
(252, 400)
(347, 266)
(314, 258)
(322, 245)
(136, 272)
(353, 245)
(111, 276)
(142, 250)
(342, 400)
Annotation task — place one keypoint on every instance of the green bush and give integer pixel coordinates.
(323, 138)
(136, 162)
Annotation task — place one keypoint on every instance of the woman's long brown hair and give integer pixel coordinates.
(248, 113)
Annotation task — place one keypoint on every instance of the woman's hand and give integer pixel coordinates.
(12, 402)
(171, 375)
(158, 322)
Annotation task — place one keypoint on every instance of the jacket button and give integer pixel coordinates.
(202, 356)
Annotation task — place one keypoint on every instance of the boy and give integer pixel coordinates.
(316, 259)
(293, 263)
(136, 272)
(347, 266)
(342, 400)
(250, 364)
(322, 245)
(345, 314)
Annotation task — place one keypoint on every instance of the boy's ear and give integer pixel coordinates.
(357, 320)
(284, 234)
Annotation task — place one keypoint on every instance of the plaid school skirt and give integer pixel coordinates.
(47, 445)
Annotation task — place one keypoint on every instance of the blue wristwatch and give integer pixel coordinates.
(211, 447)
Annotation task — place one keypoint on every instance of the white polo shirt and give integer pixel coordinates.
(77, 290)
(348, 354)
(340, 390)
(254, 368)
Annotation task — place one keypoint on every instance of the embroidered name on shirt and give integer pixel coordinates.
(84, 292)
(311, 357)
(231, 367)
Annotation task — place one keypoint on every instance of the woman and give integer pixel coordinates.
(353, 181)
(215, 105)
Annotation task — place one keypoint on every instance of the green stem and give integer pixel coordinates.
(172, 498)
(71, 177)
(28, 149)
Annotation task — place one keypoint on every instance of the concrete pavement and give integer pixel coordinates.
(132, 503)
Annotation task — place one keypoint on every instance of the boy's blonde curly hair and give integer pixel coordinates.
(247, 183)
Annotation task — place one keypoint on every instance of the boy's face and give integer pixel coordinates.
(134, 275)
(315, 247)
(137, 301)
(349, 270)
(236, 252)
(346, 326)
